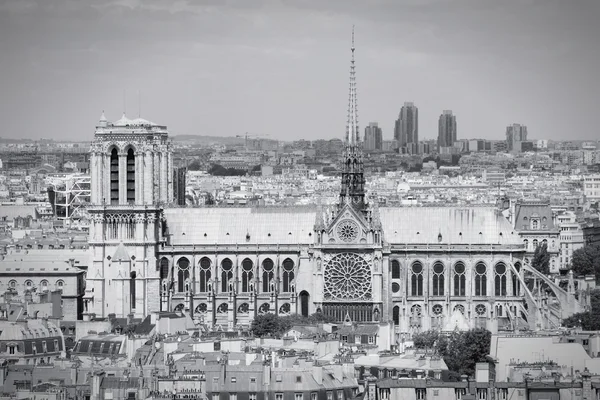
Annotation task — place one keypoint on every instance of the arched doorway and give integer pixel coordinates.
(304, 299)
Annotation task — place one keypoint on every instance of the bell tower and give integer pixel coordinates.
(131, 180)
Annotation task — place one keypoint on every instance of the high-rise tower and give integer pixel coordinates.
(353, 181)
(406, 129)
(446, 129)
(131, 179)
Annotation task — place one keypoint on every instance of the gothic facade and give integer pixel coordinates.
(417, 268)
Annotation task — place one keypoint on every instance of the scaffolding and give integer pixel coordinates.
(69, 195)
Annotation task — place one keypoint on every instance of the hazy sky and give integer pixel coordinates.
(280, 67)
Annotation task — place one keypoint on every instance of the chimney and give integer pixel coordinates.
(266, 373)
(371, 387)
(317, 373)
(586, 380)
(95, 386)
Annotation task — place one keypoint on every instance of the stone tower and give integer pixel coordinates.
(131, 180)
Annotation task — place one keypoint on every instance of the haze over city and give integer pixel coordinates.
(281, 67)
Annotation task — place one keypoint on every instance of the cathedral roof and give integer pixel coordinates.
(469, 225)
(293, 226)
(205, 226)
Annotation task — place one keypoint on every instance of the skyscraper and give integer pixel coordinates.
(406, 130)
(515, 134)
(446, 129)
(373, 137)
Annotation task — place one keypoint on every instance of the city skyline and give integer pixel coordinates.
(197, 64)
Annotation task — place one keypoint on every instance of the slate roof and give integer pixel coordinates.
(13, 211)
(221, 225)
(457, 225)
(295, 225)
(532, 349)
(525, 210)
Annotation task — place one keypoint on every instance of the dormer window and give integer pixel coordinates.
(535, 224)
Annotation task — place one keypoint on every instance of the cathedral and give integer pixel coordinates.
(417, 268)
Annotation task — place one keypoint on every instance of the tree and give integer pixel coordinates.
(194, 166)
(266, 325)
(541, 259)
(586, 261)
(465, 349)
(460, 351)
(426, 340)
(588, 321)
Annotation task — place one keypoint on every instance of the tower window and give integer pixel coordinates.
(114, 177)
(130, 176)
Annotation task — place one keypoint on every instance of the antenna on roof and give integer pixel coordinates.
(139, 103)
(124, 103)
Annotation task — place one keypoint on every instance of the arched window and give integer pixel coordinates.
(535, 244)
(459, 279)
(500, 280)
(226, 275)
(516, 284)
(164, 268)
(44, 285)
(204, 274)
(480, 279)
(132, 277)
(60, 284)
(416, 279)
(438, 279)
(247, 275)
(526, 243)
(267, 275)
(288, 276)
(535, 224)
(183, 273)
(114, 177)
(395, 269)
(130, 176)
(396, 315)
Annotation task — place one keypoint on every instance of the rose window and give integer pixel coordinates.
(416, 310)
(347, 277)
(480, 309)
(460, 308)
(285, 308)
(244, 308)
(202, 308)
(437, 310)
(347, 231)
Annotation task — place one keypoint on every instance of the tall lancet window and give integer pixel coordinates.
(267, 275)
(480, 279)
(183, 273)
(247, 275)
(130, 177)
(114, 177)
(438, 279)
(288, 276)
(500, 280)
(416, 279)
(459, 279)
(204, 274)
(132, 277)
(226, 276)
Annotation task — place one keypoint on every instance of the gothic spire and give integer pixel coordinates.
(352, 133)
(353, 181)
